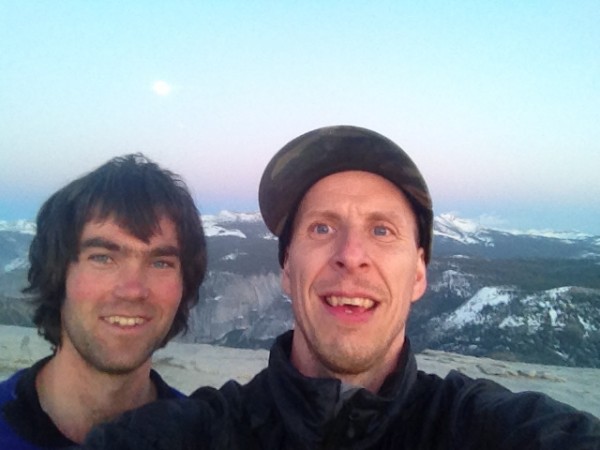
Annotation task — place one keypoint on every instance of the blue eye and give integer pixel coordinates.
(161, 264)
(101, 259)
(381, 231)
(321, 228)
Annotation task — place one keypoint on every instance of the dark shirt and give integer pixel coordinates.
(23, 422)
(282, 409)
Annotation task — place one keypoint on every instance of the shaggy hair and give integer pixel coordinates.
(134, 192)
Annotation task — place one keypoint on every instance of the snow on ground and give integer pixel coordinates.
(189, 366)
(470, 311)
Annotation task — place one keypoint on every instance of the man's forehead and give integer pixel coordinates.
(385, 199)
(163, 228)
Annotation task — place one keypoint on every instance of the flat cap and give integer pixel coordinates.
(325, 151)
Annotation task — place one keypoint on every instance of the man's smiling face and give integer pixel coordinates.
(352, 270)
(121, 295)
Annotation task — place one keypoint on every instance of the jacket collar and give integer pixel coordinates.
(313, 404)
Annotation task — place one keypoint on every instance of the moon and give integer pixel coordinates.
(161, 88)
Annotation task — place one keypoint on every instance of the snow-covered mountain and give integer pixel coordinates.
(470, 232)
(527, 295)
(559, 325)
(15, 238)
(18, 226)
(458, 236)
(224, 223)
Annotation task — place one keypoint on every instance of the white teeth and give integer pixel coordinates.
(361, 302)
(125, 321)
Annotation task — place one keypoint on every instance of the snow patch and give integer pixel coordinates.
(457, 282)
(562, 235)
(470, 312)
(216, 230)
(17, 263)
(18, 226)
(228, 217)
(469, 231)
(217, 225)
(233, 256)
(587, 326)
(512, 322)
(553, 316)
(462, 230)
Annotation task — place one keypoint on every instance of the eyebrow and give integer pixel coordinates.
(98, 242)
(166, 250)
(319, 214)
(372, 216)
(390, 215)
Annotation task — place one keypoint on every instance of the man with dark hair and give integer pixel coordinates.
(354, 220)
(115, 266)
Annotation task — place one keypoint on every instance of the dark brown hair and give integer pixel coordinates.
(136, 193)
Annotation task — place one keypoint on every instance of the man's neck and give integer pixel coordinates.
(372, 378)
(77, 397)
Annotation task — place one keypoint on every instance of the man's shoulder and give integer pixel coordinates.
(21, 384)
(163, 390)
(476, 410)
(232, 392)
(205, 416)
(9, 439)
(463, 392)
(253, 392)
(459, 394)
(8, 386)
(459, 381)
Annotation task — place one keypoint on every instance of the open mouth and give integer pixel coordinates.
(350, 305)
(125, 321)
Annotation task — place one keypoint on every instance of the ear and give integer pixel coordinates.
(285, 277)
(420, 283)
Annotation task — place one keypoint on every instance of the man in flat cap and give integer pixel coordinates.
(354, 220)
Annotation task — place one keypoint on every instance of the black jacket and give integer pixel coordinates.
(281, 409)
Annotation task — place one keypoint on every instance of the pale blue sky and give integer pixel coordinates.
(498, 102)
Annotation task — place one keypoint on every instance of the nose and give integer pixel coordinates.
(132, 282)
(351, 251)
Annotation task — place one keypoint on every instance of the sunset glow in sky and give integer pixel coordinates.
(497, 102)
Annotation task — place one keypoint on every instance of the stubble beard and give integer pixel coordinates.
(102, 359)
(347, 356)
(344, 358)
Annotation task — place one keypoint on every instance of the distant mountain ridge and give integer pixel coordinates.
(448, 229)
(18, 226)
(525, 295)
